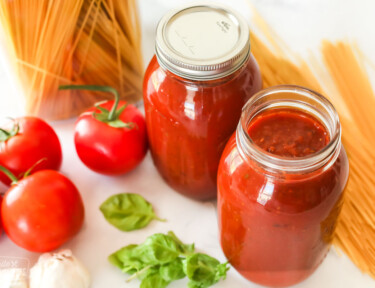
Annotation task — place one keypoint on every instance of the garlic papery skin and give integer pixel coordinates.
(59, 270)
(13, 278)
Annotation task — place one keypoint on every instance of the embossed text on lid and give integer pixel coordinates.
(202, 42)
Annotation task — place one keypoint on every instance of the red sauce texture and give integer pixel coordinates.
(276, 227)
(288, 133)
(189, 123)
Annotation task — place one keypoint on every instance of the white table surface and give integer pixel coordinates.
(302, 23)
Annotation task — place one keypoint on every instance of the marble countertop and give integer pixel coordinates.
(302, 24)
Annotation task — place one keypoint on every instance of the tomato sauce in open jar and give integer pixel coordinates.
(280, 184)
(194, 89)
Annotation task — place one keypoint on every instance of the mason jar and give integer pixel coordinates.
(280, 184)
(194, 89)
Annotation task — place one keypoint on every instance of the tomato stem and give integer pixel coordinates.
(98, 88)
(7, 134)
(112, 113)
(5, 131)
(9, 174)
(28, 172)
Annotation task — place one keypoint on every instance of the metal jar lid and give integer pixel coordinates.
(202, 42)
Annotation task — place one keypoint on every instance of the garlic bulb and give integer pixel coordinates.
(13, 278)
(59, 270)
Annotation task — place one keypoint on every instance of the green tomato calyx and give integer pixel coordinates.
(7, 134)
(14, 178)
(110, 117)
(9, 174)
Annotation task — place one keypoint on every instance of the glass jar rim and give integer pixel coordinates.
(289, 164)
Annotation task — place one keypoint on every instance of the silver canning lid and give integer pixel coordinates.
(202, 42)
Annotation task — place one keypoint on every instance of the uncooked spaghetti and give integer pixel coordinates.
(53, 43)
(349, 88)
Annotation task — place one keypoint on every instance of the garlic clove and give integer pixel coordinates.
(13, 278)
(59, 270)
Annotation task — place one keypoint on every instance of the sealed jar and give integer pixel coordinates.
(194, 88)
(280, 184)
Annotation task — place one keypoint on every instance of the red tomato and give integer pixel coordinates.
(110, 150)
(35, 140)
(42, 211)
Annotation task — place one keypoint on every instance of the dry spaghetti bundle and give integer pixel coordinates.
(355, 232)
(53, 43)
(348, 87)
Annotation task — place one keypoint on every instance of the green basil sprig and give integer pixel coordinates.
(203, 270)
(163, 258)
(128, 211)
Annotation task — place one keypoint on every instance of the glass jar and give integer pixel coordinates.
(194, 89)
(277, 214)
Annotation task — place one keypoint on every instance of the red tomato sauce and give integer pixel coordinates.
(288, 133)
(189, 123)
(276, 227)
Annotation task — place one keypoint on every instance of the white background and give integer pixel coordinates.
(302, 24)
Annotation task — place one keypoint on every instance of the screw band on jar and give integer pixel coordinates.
(202, 42)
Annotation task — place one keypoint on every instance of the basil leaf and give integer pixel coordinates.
(114, 260)
(172, 271)
(221, 271)
(163, 258)
(127, 259)
(154, 281)
(194, 284)
(203, 270)
(128, 211)
(147, 272)
(184, 248)
(158, 249)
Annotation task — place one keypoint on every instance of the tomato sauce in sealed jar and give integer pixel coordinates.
(280, 184)
(194, 89)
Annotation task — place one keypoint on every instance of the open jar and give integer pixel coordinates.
(194, 89)
(280, 184)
